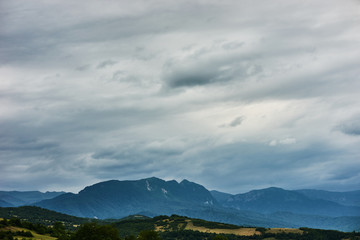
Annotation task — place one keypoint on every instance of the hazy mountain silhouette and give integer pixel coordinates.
(19, 198)
(351, 198)
(114, 199)
(271, 207)
(273, 199)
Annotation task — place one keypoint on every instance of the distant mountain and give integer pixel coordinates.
(271, 200)
(220, 196)
(5, 204)
(272, 207)
(18, 198)
(346, 223)
(344, 198)
(116, 199)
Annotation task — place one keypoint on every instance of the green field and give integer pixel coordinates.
(35, 235)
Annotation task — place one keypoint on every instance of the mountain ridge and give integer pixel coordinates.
(268, 207)
(273, 199)
(114, 198)
(348, 198)
(21, 198)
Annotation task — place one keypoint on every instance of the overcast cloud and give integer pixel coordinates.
(234, 95)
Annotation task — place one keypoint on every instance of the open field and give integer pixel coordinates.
(188, 225)
(36, 235)
(239, 231)
(284, 230)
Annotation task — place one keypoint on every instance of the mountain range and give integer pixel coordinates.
(18, 198)
(271, 200)
(271, 207)
(116, 199)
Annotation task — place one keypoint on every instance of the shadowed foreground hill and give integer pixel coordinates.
(40, 215)
(160, 227)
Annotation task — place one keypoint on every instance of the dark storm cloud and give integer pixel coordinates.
(206, 74)
(205, 68)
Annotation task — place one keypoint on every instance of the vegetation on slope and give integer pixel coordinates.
(16, 229)
(41, 216)
(161, 227)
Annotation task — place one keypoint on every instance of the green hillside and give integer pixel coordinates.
(183, 228)
(15, 228)
(38, 223)
(41, 216)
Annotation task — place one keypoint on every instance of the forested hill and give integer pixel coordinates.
(157, 228)
(40, 215)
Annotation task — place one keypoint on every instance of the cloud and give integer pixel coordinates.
(106, 63)
(235, 122)
(204, 67)
(285, 141)
(350, 127)
(140, 89)
(245, 164)
(83, 67)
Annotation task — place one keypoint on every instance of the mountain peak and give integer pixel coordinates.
(153, 179)
(113, 199)
(185, 181)
(273, 189)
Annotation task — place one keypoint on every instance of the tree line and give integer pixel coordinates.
(99, 231)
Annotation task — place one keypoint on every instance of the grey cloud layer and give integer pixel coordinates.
(234, 95)
(203, 69)
(351, 126)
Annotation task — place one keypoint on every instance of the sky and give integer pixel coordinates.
(234, 95)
